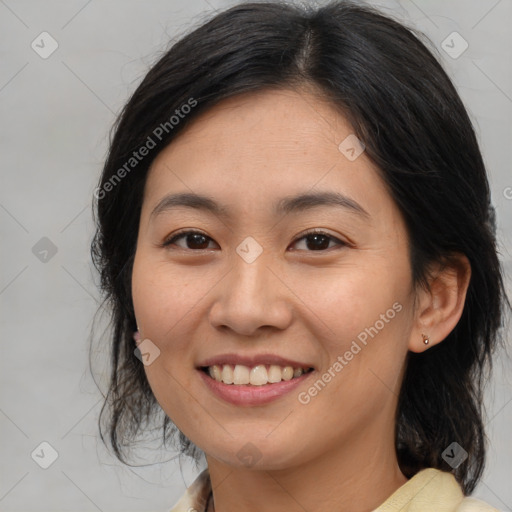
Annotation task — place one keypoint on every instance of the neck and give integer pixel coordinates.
(357, 477)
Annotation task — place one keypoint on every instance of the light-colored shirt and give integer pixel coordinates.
(430, 490)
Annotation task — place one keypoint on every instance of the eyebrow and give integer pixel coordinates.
(292, 204)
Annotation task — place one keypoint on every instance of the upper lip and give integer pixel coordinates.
(252, 361)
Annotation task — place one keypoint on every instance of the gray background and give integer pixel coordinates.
(55, 114)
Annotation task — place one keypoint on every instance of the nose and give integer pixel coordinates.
(251, 297)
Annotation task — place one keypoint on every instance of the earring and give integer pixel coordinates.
(425, 339)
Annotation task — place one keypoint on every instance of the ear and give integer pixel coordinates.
(439, 306)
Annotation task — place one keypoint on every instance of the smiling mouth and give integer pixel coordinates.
(258, 375)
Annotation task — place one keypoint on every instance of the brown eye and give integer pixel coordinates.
(319, 240)
(194, 240)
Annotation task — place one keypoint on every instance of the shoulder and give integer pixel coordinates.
(474, 505)
(432, 489)
(196, 495)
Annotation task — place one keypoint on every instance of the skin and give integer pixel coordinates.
(337, 451)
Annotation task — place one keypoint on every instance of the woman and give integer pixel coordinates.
(294, 218)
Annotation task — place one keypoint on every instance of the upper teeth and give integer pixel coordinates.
(257, 376)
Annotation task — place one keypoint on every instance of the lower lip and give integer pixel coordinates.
(249, 395)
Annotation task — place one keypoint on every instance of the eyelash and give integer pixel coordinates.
(182, 234)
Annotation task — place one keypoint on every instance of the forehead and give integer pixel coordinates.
(259, 147)
(282, 119)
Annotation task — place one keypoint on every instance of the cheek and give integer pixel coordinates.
(164, 301)
(342, 302)
(360, 316)
(163, 295)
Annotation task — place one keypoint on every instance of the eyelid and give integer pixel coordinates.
(313, 231)
(170, 239)
(320, 231)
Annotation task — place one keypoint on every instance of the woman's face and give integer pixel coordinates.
(254, 287)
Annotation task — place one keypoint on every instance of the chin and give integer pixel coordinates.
(255, 453)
